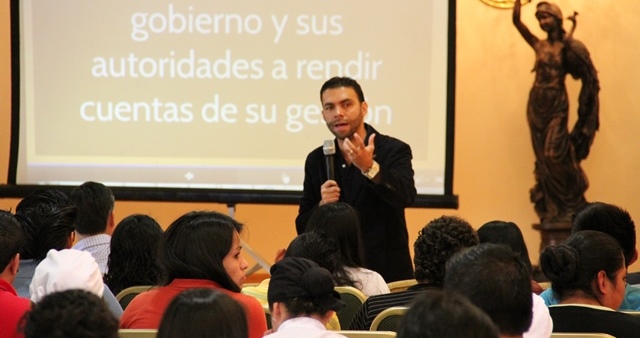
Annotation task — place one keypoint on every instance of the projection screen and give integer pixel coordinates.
(219, 100)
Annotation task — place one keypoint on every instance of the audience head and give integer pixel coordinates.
(11, 240)
(300, 288)
(95, 204)
(584, 265)
(133, 251)
(315, 246)
(340, 221)
(611, 220)
(505, 233)
(70, 314)
(66, 270)
(438, 313)
(481, 273)
(203, 245)
(337, 82)
(436, 243)
(48, 219)
(202, 313)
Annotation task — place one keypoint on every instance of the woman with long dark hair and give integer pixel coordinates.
(340, 222)
(201, 249)
(132, 260)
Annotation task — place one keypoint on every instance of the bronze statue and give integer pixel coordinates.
(560, 182)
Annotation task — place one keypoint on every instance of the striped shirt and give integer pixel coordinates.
(376, 304)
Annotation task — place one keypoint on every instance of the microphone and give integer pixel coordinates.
(329, 149)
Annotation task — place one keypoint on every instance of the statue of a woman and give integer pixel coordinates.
(560, 182)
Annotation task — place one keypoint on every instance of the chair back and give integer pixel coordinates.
(125, 296)
(353, 299)
(137, 333)
(388, 319)
(366, 334)
(401, 285)
(580, 335)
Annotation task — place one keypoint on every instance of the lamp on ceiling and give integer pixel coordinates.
(503, 3)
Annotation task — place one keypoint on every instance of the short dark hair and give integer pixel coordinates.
(611, 220)
(337, 82)
(436, 243)
(70, 314)
(574, 264)
(438, 313)
(11, 238)
(47, 218)
(202, 313)
(481, 273)
(194, 246)
(95, 203)
(506, 233)
(132, 259)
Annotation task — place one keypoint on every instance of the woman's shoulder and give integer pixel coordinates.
(370, 282)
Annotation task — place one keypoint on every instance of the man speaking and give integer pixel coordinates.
(372, 172)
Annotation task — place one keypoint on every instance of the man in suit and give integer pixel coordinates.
(373, 173)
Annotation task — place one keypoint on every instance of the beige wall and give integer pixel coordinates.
(493, 157)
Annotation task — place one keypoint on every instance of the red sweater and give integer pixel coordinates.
(11, 310)
(146, 309)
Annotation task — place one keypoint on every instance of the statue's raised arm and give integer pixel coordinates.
(522, 28)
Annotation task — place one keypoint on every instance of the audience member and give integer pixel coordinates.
(132, 258)
(203, 313)
(12, 307)
(201, 249)
(509, 234)
(94, 223)
(70, 314)
(437, 314)
(617, 223)
(340, 222)
(587, 274)
(436, 242)
(47, 218)
(302, 299)
(66, 270)
(313, 246)
(71, 269)
(496, 280)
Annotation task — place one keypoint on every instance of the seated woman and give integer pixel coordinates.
(132, 260)
(202, 313)
(587, 274)
(310, 245)
(340, 222)
(201, 249)
(508, 233)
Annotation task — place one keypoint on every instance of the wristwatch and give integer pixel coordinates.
(373, 171)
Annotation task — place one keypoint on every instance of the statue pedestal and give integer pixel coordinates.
(553, 233)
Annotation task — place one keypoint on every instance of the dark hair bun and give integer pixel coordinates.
(560, 263)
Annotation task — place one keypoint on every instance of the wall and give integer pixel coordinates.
(493, 156)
